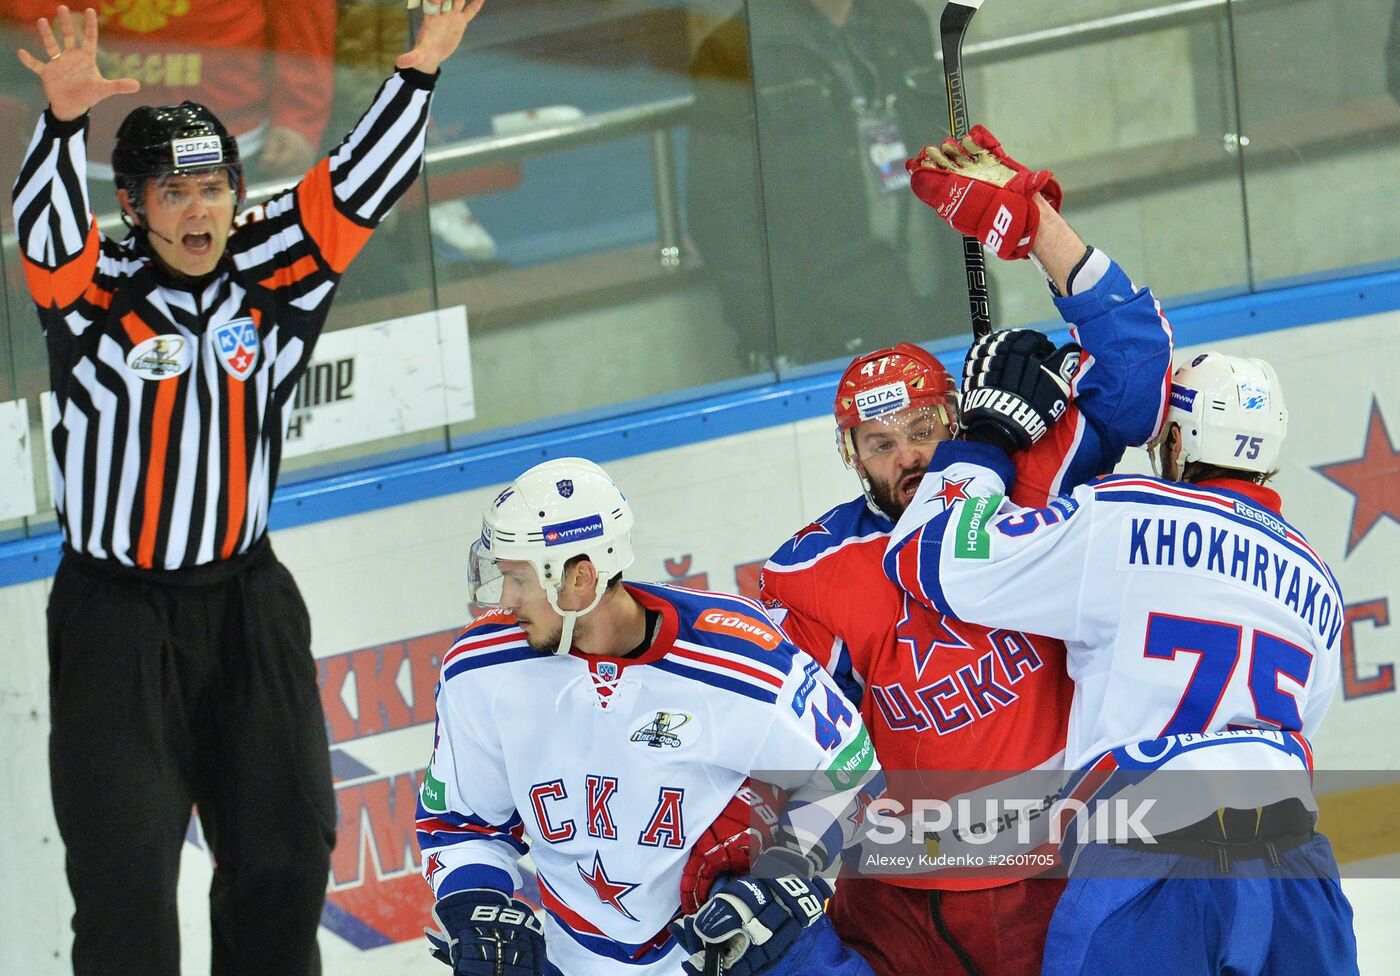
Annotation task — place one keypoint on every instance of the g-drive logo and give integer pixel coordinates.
(1182, 398)
(574, 530)
(196, 151)
(882, 400)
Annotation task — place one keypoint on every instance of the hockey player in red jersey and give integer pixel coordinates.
(939, 694)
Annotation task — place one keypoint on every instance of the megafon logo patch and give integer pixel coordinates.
(196, 151)
(882, 400)
(574, 530)
(739, 625)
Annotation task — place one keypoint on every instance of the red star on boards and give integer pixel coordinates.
(1373, 479)
(609, 892)
(952, 491)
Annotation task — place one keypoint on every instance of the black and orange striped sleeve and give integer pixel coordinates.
(299, 243)
(58, 236)
(345, 196)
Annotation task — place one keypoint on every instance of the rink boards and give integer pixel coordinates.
(386, 588)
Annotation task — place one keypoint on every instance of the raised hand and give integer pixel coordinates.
(72, 82)
(440, 33)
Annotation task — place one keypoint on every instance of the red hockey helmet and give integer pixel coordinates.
(886, 381)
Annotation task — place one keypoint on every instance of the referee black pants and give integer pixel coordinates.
(177, 689)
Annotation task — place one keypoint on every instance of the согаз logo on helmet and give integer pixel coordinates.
(882, 400)
(196, 151)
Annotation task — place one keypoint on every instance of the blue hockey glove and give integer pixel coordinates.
(484, 932)
(751, 922)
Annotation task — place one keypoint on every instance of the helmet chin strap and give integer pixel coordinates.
(566, 634)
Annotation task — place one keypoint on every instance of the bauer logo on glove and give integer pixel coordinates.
(980, 191)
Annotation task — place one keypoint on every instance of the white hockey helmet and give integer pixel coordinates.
(1230, 411)
(552, 513)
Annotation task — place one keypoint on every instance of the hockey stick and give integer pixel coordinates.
(714, 962)
(952, 27)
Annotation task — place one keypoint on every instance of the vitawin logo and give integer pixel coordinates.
(142, 16)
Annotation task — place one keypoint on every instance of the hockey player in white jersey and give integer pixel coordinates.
(1203, 636)
(603, 726)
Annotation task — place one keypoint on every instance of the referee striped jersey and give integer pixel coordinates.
(173, 398)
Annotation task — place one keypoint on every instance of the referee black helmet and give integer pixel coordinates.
(173, 140)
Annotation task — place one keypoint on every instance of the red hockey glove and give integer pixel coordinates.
(729, 845)
(980, 191)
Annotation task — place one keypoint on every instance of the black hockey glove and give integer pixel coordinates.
(750, 921)
(484, 932)
(1015, 385)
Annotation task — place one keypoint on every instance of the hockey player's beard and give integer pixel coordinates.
(544, 643)
(894, 497)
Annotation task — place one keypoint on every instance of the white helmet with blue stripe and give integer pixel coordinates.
(547, 516)
(1230, 411)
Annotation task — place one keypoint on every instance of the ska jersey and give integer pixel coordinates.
(606, 770)
(939, 693)
(1202, 629)
(171, 399)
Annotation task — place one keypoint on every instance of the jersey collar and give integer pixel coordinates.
(1259, 494)
(665, 634)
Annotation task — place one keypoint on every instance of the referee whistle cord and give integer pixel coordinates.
(940, 925)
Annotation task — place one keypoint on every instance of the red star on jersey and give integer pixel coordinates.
(952, 491)
(924, 633)
(1373, 479)
(609, 892)
(816, 528)
(434, 865)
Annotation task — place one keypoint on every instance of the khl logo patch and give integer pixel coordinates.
(237, 344)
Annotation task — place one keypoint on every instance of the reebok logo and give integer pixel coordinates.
(1262, 518)
(739, 625)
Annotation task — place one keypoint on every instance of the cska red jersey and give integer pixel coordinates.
(938, 693)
